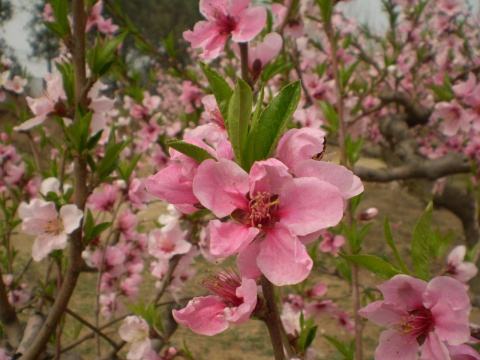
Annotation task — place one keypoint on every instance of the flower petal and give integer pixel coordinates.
(346, 181)
(268, 176)
(382, 314)
(247, 261)
(404, 292)
(250, 24)
(394, 345)
(203, 315)
(308, 205)
(71, 216)
(283, 259)
(434, 349)
(221, 186)
(229, 238)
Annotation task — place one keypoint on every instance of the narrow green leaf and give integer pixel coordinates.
(345, 350)
(273, 120)
(220, 88)
(391, 243)
(238, 119)
(375, 264)
(196, 153)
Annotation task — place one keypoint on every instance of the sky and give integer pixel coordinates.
(16, 30)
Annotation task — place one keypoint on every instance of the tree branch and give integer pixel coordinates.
(428, 169)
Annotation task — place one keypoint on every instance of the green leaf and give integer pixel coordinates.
(238, 119)
(271, 124)
(391, 243)
(423, 244)
(220, 88)
(331, 115)
(344, 349)
(196, 153)
(61, 25)
(102, 56)
(110, 161)
(375, 264)
(326, 10)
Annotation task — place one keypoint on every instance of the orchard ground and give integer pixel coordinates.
(250, 341)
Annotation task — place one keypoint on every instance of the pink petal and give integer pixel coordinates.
(169, 184)
(247, 261)
(212, 9)
(404, 292)
(248, 292)
(30, 124)
(382, 314)
(283, 259)
(250, 24)
(463, 352)
(394, 345)
(267, 50)
(308, 205)
(237, 6)
(451, 326)
(268, 176)
(444, 289)
(457, 255)
(346, 181)
(45, 244)
(71, 217)
(465, 272)
(434, 349)
(203, 315)
(297, 145)
(203, 33)
(221, 186)
(229, 238)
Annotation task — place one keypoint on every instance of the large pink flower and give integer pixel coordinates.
(51, 228)
(421, 316)
(268, 206)
(233, 301)
(225, 18)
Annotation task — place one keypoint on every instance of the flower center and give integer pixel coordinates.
(53, 227)
(225, 284)
(263, 209)
(227, 24)
(418, 323)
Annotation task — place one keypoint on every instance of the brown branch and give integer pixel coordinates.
(427, 169)
(417, 115)
(80, 172)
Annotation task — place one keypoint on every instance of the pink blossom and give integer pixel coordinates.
(50, 102)
(264, 52)
(137, 193)
(51, 228)
(290, 318)
(332, 243)
(453, 117)
(167, 242)
(48, 13)
(465, 89)
(126, 224)
(225, 18)
(104, 198)
(135, 332)
(293, 27)
(191, 96)
(297, 145)
(458, 268)
(233, 301)
(319, 290)
(16, 85)
(267, 201)
(212, 112)
(420, 316)
(109, 304)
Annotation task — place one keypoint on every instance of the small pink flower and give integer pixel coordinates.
(264, 52)
(135, 331)
(16, 85)
(51, 228)
(453, 117)
(225, 18)
(50, 102)
(233, 301)
(319, 290)
(167, 242)
(137, 193)
(212, 112)
(104, 198)
(270, 202)
(458, 268)
(420, 316)
(332, 243)
(48, 13)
